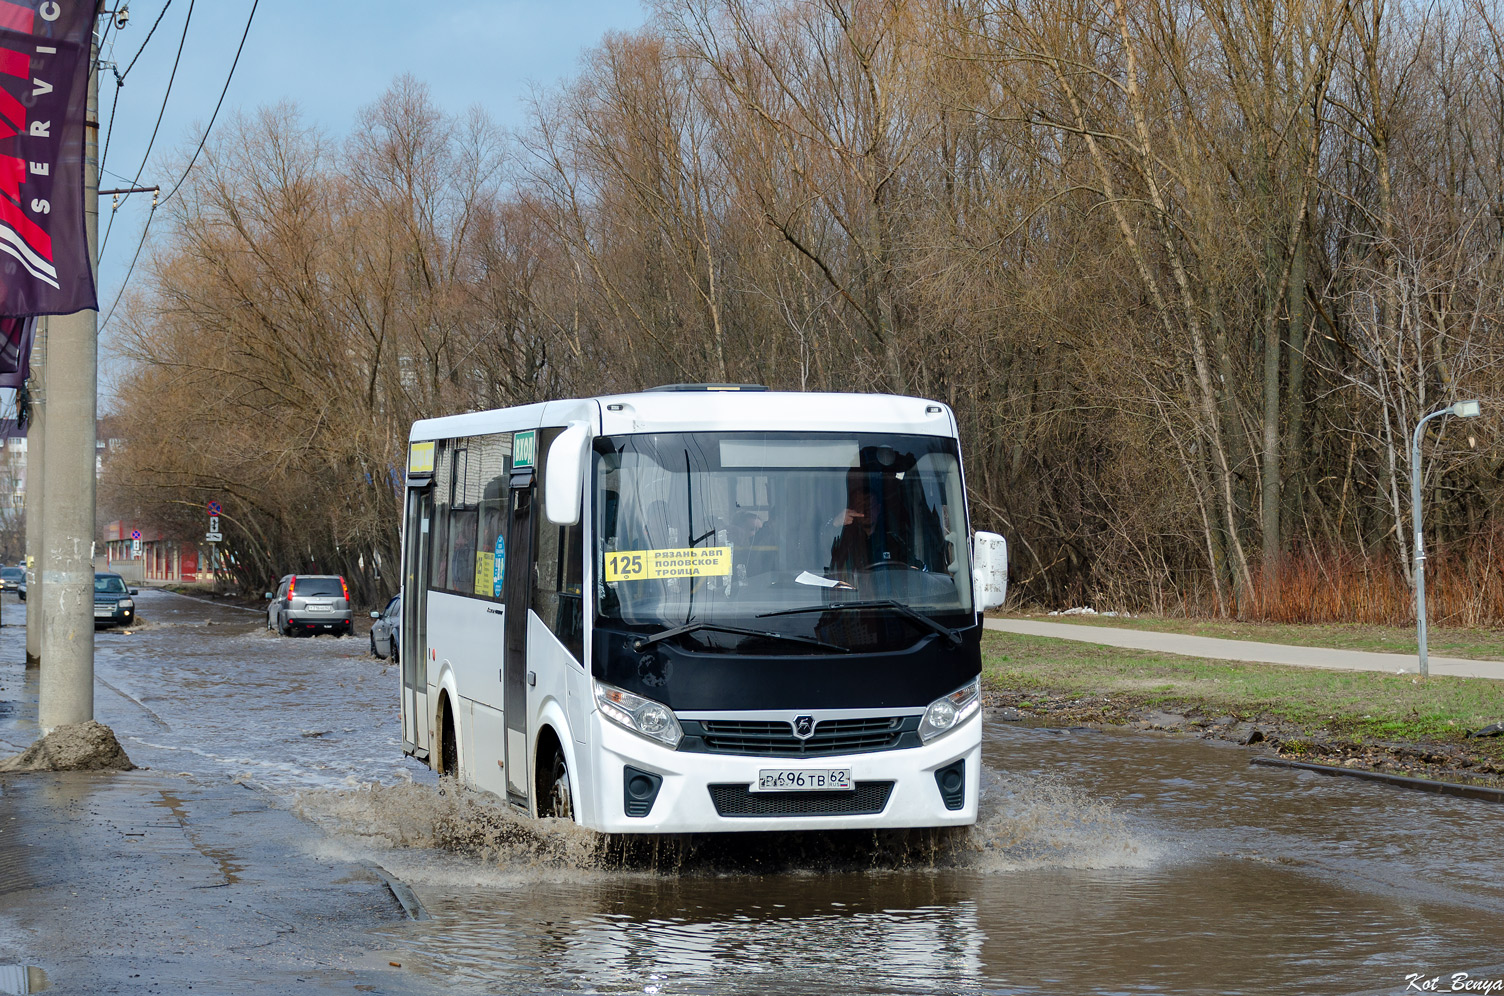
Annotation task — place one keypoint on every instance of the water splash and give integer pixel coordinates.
(1024, 822)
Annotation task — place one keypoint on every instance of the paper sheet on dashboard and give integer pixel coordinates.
(815, 580)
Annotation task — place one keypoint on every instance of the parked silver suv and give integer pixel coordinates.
(309, 603)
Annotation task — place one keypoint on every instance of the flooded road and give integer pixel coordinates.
(1104, 862)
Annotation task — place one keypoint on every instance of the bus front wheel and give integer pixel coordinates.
(556, 800)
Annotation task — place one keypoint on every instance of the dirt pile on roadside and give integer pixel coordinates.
(87, 746)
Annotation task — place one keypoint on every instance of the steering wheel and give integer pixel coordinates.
(891, 565)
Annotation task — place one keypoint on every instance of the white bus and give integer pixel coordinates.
(699, 608)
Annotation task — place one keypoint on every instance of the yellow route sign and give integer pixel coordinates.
(641, 565)
(420, 458)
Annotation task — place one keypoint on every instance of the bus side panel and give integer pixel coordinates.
(467, 633)
(487, 727)
(561, 683)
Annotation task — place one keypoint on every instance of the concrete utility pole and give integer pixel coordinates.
(67, 646)
(34, 453)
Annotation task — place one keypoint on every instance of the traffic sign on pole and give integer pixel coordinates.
(213, 537)
(213, 509)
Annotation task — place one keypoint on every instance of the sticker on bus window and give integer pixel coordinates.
(641, 565)
(483, 569)
(499, 566)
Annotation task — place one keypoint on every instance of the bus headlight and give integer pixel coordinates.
(944, 715)
(653, 720)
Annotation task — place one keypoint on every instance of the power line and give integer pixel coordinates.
(105, 152)
(152, 141)
(132, 269)
(119, 176)
(121, 76)
(99, 55)
(146, 229)
(99, 60)
(215, 115)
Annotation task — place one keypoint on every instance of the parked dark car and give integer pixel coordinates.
(306, 604)
(386, 630)
(11, 578)
(113, 604)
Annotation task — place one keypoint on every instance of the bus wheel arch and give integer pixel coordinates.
(449, 746)
(553, 782)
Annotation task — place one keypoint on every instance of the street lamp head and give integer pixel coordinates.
(1466, 409)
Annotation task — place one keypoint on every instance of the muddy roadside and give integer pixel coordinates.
(1421, 758)
(1447, 729)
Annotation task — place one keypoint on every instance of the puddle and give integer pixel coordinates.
(20, 979)
(1100, 862)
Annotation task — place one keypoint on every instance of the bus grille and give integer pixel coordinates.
(866, 799)
(775, 738)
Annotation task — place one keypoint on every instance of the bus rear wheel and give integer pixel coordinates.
(449, 749)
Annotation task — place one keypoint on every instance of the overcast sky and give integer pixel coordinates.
(331, 57)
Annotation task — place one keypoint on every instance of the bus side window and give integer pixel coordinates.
(438, 553)
(494, 471)
(464, 516)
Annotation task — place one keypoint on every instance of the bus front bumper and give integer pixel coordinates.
(711, 793)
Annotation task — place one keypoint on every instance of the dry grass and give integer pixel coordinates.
(1464, 587)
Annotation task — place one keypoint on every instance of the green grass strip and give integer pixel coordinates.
(1442, 641)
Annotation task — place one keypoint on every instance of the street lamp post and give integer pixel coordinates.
(1462, 409)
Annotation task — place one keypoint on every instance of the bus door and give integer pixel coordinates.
(517, 591)
(417, 531)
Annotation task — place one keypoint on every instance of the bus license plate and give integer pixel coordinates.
(803, 780)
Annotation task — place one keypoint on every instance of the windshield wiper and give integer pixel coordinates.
(674, 631)
(952, 636)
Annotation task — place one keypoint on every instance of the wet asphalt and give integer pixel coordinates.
(171, 878)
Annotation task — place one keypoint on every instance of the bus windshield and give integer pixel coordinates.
(750, 529)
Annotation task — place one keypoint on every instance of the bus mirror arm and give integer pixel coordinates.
(564, 475)
(989, 570)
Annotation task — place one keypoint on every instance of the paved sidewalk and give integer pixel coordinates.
(1247, 650)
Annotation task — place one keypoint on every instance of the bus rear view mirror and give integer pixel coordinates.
(564, 475)
(989, 570)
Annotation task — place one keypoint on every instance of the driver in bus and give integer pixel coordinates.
(869, 535)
